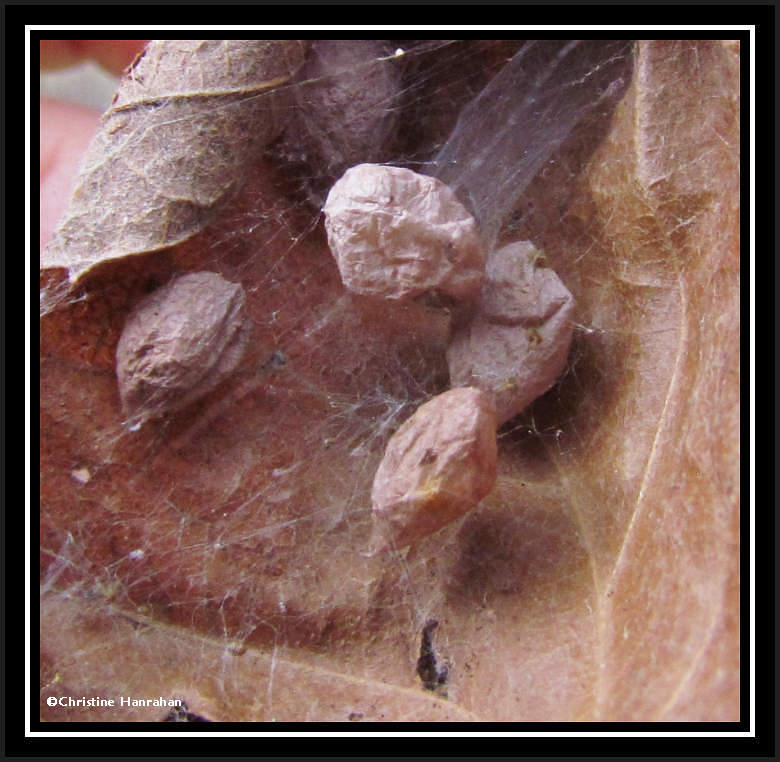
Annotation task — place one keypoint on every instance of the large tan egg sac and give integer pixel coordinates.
(179, 343)
(436, 468)
(517, 344)
(398, 234)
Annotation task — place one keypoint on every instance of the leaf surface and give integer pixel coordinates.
(222, 551)
(189, 118)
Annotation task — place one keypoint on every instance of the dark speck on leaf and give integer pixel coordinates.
(434, 676)
(180, 714)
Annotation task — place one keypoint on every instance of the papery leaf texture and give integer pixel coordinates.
(218, 555)
(185, 125)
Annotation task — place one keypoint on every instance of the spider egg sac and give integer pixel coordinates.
(397, 234)
(517, 344)
(179, 343)
(438, 465)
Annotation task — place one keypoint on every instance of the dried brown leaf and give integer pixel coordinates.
(185, 127)
(598, 581)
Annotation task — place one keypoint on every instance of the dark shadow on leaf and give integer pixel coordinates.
(522, 551)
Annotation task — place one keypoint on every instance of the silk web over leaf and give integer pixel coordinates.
(219, 555)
